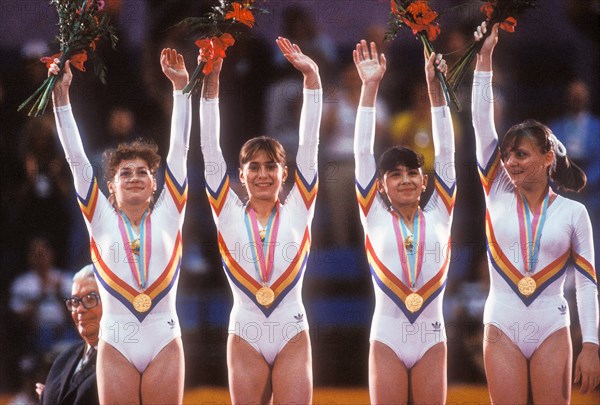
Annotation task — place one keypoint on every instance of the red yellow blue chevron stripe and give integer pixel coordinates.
(88, 204)
(584, 267)
(126, 293)
(366, 195)
(489, 173)
(447, 194)
(217, 198)
(308, 191)
(281, 287)
(503, 266)
(179, 192)
(394, 288)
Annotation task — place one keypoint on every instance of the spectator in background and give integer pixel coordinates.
(337, 171)
(72, 378)
(42, 202)
(36, 298)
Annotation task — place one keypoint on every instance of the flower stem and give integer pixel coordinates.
(195, 79)
(449, 94)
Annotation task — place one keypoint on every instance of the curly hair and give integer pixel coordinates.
(140, 148)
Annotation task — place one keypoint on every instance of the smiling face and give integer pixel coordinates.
(263, 177)
(403, 186)
(87, 321)
(133, 183)
(526, 164)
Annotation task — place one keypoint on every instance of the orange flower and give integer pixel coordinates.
(214, 48)
(241, 14)
(420, 18)
(77, 60)
(507, 25)
(221, 44)
(421, 12)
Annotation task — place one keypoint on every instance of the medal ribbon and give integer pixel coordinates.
(263, 253)
(530, 230)
(411, 261)
(140, 263)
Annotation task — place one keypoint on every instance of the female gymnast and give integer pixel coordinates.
(534, 237)
(407, 247)
(136, 249)
(264, 244)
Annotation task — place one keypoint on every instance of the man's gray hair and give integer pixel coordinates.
(87, 271)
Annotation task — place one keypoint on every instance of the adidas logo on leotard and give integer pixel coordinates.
(563, 309)
(437, 327)
(299, 317)
(171, 324)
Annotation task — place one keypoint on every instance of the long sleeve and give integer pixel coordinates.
(445, 167)
(215, 167)
(181, 123)
(582, 245)
(308, 144)
(482, 107)
(364, 139)
(70, 139)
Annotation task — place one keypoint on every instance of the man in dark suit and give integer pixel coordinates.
(72, 377)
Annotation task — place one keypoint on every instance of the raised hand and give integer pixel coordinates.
(484, 57)
(435, 63)
(173, 67)
(371, 66)
(60, 93)
(301, 62)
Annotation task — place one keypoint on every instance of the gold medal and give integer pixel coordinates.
(408, 242)
(142, 302)
(527, 286)
(265, 296)
(413, 302)
(135, 247)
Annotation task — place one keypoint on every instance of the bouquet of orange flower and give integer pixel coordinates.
(81, 24)
(422, 20)
(216, 31)
(496, 11)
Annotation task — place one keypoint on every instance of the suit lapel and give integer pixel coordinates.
(70, 366)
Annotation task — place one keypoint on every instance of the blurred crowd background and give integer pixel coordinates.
(547, 70)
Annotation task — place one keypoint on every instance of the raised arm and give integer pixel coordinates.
(371, 68)
(310, 118)
(443, 132)
(68, 133)
(215, 168)
(482, 98)
(173, 67)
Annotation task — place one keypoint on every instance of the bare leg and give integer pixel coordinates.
(429, 376)
(292, 372)
(388, 377)
(249, 373)
(550, 369)
(505, 368)
(163, 379)
(118, 379)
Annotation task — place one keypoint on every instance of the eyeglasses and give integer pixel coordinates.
(88, 301)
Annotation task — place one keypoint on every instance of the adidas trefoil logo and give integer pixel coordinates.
(437, 327)
(563, 309)
(299, 317)
(171, 324)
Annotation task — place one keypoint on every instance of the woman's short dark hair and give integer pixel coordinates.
(396, 156)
